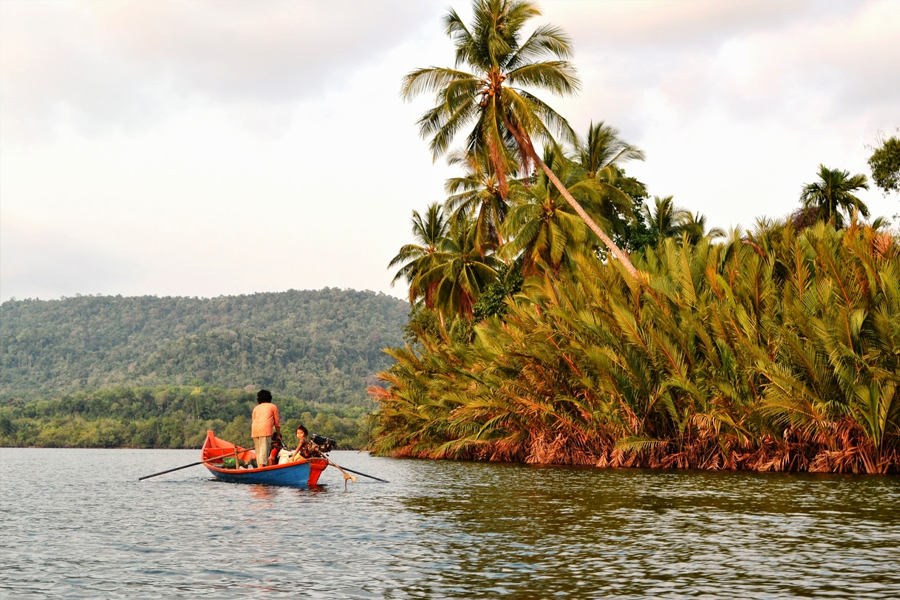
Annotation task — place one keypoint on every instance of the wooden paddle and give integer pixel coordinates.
(345, 473)
(233, 453)
(342, 469)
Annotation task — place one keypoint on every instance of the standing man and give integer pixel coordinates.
(265, 422)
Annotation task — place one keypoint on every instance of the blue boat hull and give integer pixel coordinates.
(295, 474)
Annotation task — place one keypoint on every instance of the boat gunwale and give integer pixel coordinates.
(228, 448)
(312, 463)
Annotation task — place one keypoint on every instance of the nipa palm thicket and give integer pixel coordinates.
(774, 350)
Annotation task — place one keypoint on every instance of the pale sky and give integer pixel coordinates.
(172, 147)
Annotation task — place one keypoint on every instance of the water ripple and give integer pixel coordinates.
(78, 524)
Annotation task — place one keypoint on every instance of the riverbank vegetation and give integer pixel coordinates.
(100, 371)
(166, 417)
(653, 342)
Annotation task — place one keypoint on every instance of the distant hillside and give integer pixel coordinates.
(321, 346)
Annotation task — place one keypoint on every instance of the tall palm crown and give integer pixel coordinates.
(458, 273)
(833, 192)
(417, 259)
(489, 95)
(665, 219)
(543, 229)
(476, 195)
(506, 117)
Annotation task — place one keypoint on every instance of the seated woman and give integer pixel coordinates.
(305, 448)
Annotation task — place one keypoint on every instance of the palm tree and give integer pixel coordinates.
(602, 150)
(506, 117)
(665, 219)
(417, 259)
(476, 194)
(542, 227)
(457, 272)
(600, 154)
(833, 193)
(694, 227)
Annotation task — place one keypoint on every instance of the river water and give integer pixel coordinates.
(78, 524)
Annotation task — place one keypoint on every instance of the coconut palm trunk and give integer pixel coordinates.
(617, 252)
(524, 142)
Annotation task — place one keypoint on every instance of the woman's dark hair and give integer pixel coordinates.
(263, 396)
(303, 429)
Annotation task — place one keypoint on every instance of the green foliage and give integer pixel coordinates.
(635, 233)
(447, 270)
(493, 301)
(776, 351)
(476, 197)
(885, 165)
(166, 417)
(664, 219)
(459, 271)
(323, 346)
(461, 330)
(422, 321)
(416, 260)
(543, 227)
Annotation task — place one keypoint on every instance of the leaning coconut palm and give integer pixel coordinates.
(600, 155)
(543, 229)
(476, 195)
(506, 117)
(417, 259)
(833, 193)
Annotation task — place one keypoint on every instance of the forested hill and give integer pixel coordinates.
(320, 346)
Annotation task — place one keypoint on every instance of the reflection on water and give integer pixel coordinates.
(523, 531)
(439, 530)
(263, 493)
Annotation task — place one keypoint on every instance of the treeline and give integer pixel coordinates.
(562, 316)
(323, 346)
(166, 417)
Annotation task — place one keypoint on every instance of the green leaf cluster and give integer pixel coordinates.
(885, 165)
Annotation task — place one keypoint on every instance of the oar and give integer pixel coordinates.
(194, 464)
(345, 473)
(342, 469)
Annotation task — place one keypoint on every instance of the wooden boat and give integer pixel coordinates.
(301, 473)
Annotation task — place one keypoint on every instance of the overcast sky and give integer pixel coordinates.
(170, 147)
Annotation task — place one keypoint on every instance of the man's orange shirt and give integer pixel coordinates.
(265, 417)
